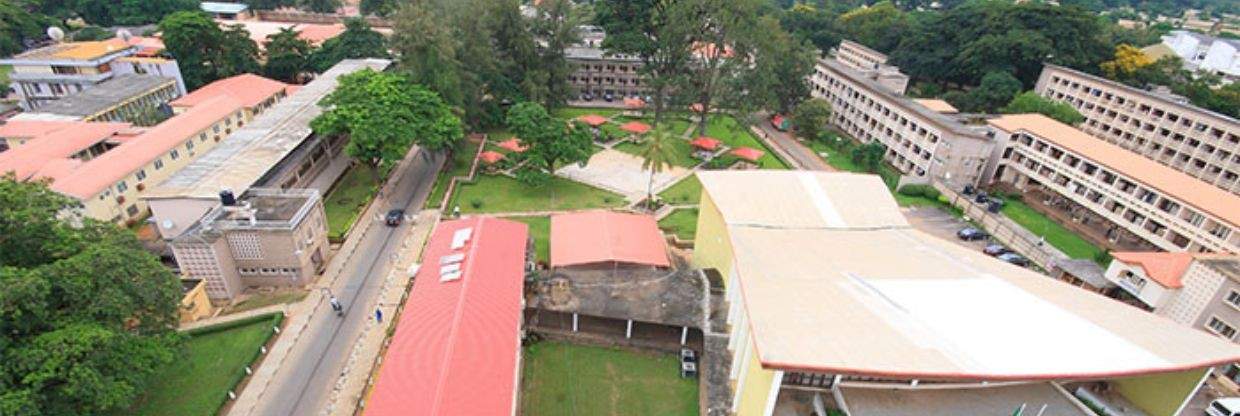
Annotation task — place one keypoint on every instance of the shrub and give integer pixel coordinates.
(476, 203)
(925, 191)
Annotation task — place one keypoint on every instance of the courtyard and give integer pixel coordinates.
(566, 379)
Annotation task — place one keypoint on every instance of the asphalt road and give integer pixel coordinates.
(803, 157)
(303, 383)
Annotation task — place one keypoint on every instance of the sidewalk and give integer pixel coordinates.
(364, 359)
(789, 149)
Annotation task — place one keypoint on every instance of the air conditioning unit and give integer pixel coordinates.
(141, 187)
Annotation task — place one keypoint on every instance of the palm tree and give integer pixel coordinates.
(656, 156)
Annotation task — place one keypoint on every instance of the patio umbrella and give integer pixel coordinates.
(490, 157)
(748, 153)
(634, 103)
(697, 107)
(635, 127)
(512, 145)
(594, 120)
(705, 143)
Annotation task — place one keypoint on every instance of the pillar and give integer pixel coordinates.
(628, 331)
(574, 322)
(684, 334)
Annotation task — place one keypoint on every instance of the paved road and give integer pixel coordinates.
(303, 383)
(802, 157)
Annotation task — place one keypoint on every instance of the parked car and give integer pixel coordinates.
(971, 234)
(1014, 258)
(1229, 406)
(394, 217)
(995, 250)
(608, 97)
(587, 97)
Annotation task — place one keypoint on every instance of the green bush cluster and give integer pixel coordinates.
(925, 191)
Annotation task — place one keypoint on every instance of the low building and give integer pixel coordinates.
(457, 345)
(225, 10)
(1201, 291)
(130, 98)
(17, 133)
(1114, 196)
(315, 33)
(195, 304)
(834, 300)
(1204, 53)
(606, 240)
(1201, 143)
(255, 93)
(921, 143)
(52, 72)
(276, 150)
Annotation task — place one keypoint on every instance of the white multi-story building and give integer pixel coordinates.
(48, 73)
(1196, 141)
(1196, 290)
(1110, 193)
(920, 142)
(1206, 53)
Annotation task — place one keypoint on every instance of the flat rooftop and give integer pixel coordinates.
(834, 280)
(105, 95)
(70, 51)
(269, 208)
(938, 119)
(1000, 400)
(239, 161)
(1176, 184)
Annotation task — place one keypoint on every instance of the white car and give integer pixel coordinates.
(1229, 406)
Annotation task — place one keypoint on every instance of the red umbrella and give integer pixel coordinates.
(490, 157)
(594, 120)
(512, 145)
(748, 153)
(697, 107)
(635, 127)
(705, 143)
(634, 103)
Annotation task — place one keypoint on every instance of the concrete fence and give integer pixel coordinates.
(1004, 230)
(291, 16)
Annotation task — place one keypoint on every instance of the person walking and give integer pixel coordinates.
(378, 315)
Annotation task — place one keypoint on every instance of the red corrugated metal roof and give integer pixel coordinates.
(635, 127)
(456, 347)
(602, 236)
(1165, 268)
(251, 90)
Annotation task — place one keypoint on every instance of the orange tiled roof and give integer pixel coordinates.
(248, 89)
(1165, 268)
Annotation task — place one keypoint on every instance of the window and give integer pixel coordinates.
(1221, 328)
(159, 164)
(141, 174)
(189, 145)
(121, 186)
(132, 210)
(1233, 298)
(174, 154)
(202, 137)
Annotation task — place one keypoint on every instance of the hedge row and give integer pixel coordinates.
(926, 191)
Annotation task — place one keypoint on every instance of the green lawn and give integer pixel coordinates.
(681, 222)
(267, 299)
(569, 113)
(197, 381)
(732, 133)
(682, 151)
(540, 229)
(842, 159)
(4, 74)
(348, 198)
(1056, 235)
(686, 192)
(462, 158)
(493, 193)
(564, 379)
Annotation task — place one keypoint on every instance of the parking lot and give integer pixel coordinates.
(941, 224)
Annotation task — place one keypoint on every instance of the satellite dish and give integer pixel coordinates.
(57, 34)
(167, 224)
(123, 34)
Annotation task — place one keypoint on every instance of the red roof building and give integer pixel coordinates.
(594, 120)
(1165, 268)
(705, 143)
(457, 344)
(604, 236)
(635, 127)
(249, 89)
(748, 153)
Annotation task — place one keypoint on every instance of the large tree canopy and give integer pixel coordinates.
(357, 41)
(551, 142)
(287, 55)
(203, 51)
(86, 315)
(383, 114)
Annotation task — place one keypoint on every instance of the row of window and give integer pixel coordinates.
(1154, 111)
(175, 153)
(267, 271)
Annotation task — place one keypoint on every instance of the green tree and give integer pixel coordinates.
(203, 51)
(880, 26)
(357, 41)
(1031, 102)
(555, 24)
(287, 55)
(86, 315)
(384, 114)
(377, 7)
(118, 12)
(319, 6)
(427, 50)
(658, 34)
(997, 89)
(270, 4)
(781, 67)
(656, 157)
(811, 117)
(551, 143)
(812, 23)
(868, 156)
(19, 26)
(1128, 60)
(89, 33)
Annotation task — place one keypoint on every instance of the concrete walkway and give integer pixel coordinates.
(789, 148)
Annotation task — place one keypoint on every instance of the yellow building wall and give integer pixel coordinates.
(195, 304)
(711, 247)
(1160, 394)
(757, 388)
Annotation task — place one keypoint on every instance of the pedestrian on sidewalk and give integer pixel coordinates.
(378, 315)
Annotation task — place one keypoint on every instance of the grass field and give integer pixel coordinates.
(267, 299)
(681, 222)
(686, 192)
(197, 381)
(540, 229)
(348, 198)
(732, 133)
(682, 151)
(462, 158)
(1056, 235)
(569, 113)
(842, 160)
(504, 194)
(564, 379)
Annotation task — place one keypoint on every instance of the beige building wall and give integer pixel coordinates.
(599, 74)
(1201, 143)
(1222, 305)
(1160, 219)
(859, 56)
(195, 304)
(920, 143)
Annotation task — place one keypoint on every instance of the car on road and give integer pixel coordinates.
(1014, 258)
(995, 250)
(971, 234)
(394, 217)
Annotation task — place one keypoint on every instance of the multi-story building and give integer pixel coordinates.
(255, 93)
(920, 142)
(598, 74)
(1198, 142)
(834, 301)
(1131, 202)
(1201, 291)
(51, 72)
(1206, 53)
(267, 162)
(108, 167)
(859, 56)
(129, 98)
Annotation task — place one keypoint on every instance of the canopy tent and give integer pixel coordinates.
(635, 127)
(513, 145)
(748, 153)
(633, 103)
(705, 143)
(594, 120)
(490, 157)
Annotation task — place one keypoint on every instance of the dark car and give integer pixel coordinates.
(608, 97)
(394, 217)
(971, 234)
(1014, 258)
(995, 250)
(587, 97)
